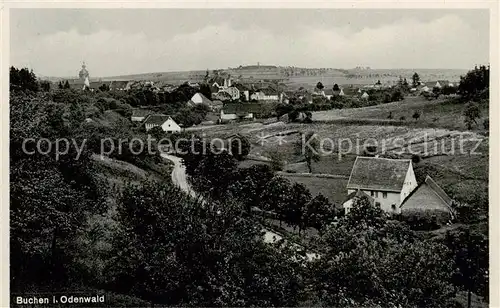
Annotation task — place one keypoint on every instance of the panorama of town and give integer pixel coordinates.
(257, 185)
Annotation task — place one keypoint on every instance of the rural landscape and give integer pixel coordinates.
(255, 185)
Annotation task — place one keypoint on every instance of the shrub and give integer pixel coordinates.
(403, 118)
(424, 220)
(486, 123)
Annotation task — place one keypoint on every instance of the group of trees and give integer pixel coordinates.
(217, 177)
(23, 80)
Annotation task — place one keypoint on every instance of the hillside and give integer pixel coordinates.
(294, 77)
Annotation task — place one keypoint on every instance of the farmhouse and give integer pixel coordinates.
(365, 96)
(265, 94)
(138, 115)
(238, 111)
(387, 181)
(164, 121)
(428, 196)
(199, 98)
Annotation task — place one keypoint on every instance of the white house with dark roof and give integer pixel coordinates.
(164, 121)
(387, 181)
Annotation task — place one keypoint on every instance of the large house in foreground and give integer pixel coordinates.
(391, 184)
(387, 181)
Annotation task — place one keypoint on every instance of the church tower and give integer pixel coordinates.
(84, 74)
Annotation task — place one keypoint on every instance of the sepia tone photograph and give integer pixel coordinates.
(249, 157)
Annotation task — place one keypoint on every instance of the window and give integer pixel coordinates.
(393, 206)
(384, 195)
(377, 204)
(372, 193)
(376, 194)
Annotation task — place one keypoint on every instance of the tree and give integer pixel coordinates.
(471, 113)
(45, 85)
(277, 196)
(23, 80)
(369, 261)
(415, 80)
(336, 88)
(319, 86)
(213, 174)
(66, 85)
(475, 84)
(378, 83)
(416, 115)
(318, 213)
(469, 250)
(436, 91)
(308, 147)
(248, 184)
(104, 87)
(239, 146)
(277, 163)
(295, 210)
(213, 255)
(206, 90)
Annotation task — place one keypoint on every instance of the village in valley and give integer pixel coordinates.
(255, 185)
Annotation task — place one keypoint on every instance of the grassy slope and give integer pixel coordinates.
(441, 113)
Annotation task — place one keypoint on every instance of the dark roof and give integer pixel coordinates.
(428, 196)
(383, 174)
(141, 112)
(241, 108)
(156, 119)
(240, 87)
(358, 194)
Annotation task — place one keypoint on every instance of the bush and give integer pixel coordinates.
(425, 220)
(486, 124)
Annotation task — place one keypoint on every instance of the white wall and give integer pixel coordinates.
(385, 203)
(170, 126)
(409, 185)
(137, 119)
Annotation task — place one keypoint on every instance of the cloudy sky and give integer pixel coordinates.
(54, 42)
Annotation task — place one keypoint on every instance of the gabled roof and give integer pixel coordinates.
(204, 99)
(156, 119)
(240, 87)
(359, 194)
(428, 196)
(381, 174)
(141, 112)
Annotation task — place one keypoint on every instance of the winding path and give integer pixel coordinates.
(179, 178)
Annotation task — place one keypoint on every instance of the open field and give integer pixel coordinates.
(334, 189)
(441, 113)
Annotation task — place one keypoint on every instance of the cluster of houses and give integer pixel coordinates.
(429, 86)
(391, 185)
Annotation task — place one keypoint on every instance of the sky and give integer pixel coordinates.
(112, 42)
